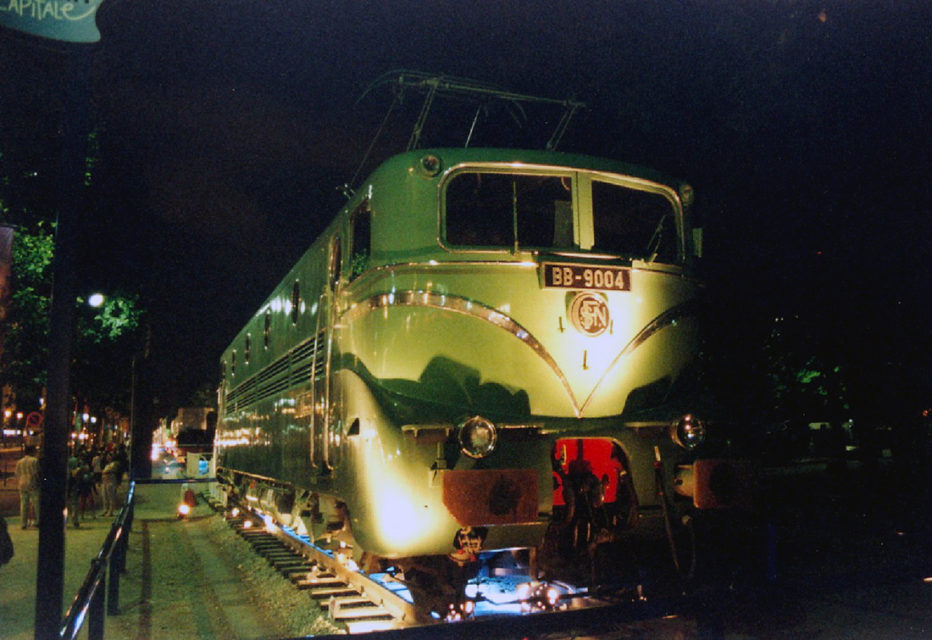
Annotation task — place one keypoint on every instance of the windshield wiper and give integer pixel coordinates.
(653, 245)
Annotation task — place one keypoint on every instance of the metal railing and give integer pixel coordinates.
(88, 604)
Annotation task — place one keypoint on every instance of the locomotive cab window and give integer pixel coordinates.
(336, 265)
(504, 210)
(634, 223)
(361, 241)
(499, 210)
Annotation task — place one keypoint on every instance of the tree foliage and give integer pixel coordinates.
(105, 338)
(805, 378)
(24, 357)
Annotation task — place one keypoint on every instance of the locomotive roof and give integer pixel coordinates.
(451, 156)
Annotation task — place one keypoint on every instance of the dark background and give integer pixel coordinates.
(222, 130)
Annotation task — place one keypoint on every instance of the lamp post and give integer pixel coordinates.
(51, 554)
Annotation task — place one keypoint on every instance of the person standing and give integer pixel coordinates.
(97, 466)
(86, 487)
(27, 479)
(110, 479)
(76, 471)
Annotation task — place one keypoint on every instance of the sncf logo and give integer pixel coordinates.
(589, 314)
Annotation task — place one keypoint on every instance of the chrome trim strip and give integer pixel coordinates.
(456, 304)
(664, 320)
(464, 306)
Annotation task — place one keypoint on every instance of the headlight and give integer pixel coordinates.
(688, 432)
(477, 437)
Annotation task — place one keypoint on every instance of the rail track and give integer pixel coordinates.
(381, 604)
(351, 597)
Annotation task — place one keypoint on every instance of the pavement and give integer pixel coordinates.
(185, 578)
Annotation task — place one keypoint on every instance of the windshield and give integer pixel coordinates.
(499, 210)
(633, 223)
(508, 210)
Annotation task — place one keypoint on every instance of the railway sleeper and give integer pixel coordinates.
(347, 615)
(297, 569)
(344, 591)
(270, 552)
(311, 583)
(356, 608)
(282, 555)
(283, 560)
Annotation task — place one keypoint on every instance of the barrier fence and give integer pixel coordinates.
(110, 562)
(99, 593)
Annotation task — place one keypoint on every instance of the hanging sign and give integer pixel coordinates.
(65, 20)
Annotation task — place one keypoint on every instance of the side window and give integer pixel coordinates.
(336, 264)
(233, 363)
(295, 302)
(362, 241)
(267, 332)
(247, 349)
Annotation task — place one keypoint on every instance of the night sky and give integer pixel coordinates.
(224, 129)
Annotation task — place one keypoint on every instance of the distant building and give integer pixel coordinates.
(193, 418)
(193, 428)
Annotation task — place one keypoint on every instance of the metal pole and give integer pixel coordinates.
(50, 564)
(113, 586)
(95, 621)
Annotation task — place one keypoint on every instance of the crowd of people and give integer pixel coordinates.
(94, 478)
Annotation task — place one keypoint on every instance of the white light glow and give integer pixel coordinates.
(401, 524)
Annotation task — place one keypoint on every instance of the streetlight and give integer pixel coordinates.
(96, 300)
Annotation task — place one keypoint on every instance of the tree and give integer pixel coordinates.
(106, 338)
(25, 349)
(806, 381)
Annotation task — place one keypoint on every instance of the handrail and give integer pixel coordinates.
(90, 597)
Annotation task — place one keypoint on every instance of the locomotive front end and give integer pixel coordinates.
(519, 350)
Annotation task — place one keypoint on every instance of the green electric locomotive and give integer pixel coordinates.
(486, 349)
